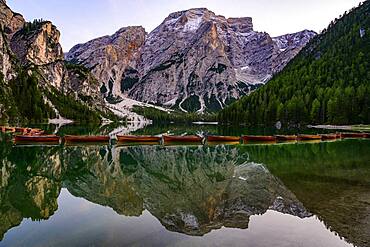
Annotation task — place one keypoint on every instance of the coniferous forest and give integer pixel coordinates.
(327, 82)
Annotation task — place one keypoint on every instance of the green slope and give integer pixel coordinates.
(327, 82)
(22, 100)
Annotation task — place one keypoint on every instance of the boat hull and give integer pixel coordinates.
(184, 139)
(86, 139)
(329, 137)
(133, 144)
(353, 135)
(286, 137)
(259, 138)
(223, 138)
(309, 137)
(42, 139)
(127, 138)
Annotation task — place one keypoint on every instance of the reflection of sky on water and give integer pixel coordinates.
(79, 222)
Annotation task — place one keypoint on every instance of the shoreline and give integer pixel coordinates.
(359, 127)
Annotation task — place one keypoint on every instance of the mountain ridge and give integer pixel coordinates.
(194, 60)
(327, 82)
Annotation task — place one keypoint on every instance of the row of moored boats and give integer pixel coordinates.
(32, 135)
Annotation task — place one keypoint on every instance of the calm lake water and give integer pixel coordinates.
(227, 195)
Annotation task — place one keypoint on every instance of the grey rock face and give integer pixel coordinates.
(10, 23)
(112, 59)
(196, 56)
(289, 45)
(40, 46)
(5, 65)
(194, 60)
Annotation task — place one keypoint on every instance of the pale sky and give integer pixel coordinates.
(82, 20)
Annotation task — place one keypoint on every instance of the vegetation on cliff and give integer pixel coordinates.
(30, 102)
(22, 100)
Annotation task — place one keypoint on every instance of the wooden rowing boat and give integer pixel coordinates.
(286, 137)
(84, 139)
(308, 137)
(249, 138)
(130, 138)
(329, 136)
(44, 138)
(223, 138)
(352, 135)
(190, 138)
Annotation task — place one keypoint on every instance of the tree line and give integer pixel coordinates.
(327, 82)
(159, 116)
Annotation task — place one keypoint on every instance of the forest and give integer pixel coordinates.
(159, 116)
(22, 100)
(327, 82)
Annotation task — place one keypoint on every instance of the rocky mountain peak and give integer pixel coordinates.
(38, 43)
(10, 21)
(112, 58)
(190, 14)
(190, 20)
(242, 24)
(125, 36)
(194, 60)
(295, 39)
(128, 34)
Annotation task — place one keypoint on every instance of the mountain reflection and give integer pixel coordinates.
(30, 182)
(191, 190)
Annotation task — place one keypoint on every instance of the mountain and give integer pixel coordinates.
(327, 82)
(35, 81)
(112, 59)
(194, 60)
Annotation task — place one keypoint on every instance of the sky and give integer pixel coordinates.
(82, 20)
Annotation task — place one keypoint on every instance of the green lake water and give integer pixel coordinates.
(300, 194)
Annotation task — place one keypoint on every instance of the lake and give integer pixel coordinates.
(301, 194)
